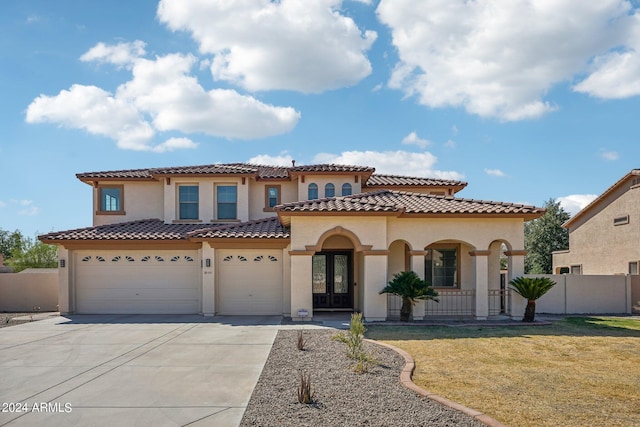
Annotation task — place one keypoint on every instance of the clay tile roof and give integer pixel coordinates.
(331, 168)
(269, 228)
(410, 203)
(267, 171)
(125, 174)
(391, 180)
(146, 229)
(206, 170)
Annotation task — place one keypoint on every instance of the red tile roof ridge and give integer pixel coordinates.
(426, 178)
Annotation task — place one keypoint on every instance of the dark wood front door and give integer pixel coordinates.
(332, 280)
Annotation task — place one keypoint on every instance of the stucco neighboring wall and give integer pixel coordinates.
(579, 294)
(31, 288)
(257, 197)
(322, 180)
(598, 245)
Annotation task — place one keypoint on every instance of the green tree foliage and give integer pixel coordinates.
(21, 252)
(531, 288)
(11, 242)
(410, 287)
(544, 235)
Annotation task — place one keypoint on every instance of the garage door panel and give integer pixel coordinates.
(137, 282)
(250, 282)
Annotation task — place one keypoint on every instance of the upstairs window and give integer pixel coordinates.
(329, 190)
(346, 189)
(188, 202)
(227, 201)
(312, 191)
(272, 197)
(110, 199)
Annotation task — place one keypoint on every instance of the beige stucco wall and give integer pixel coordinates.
(34, 289)
(257, 202)
(635, 294)
(142, 200)
(206, 194)
(322, 180)
(599, 246)
(580, 294)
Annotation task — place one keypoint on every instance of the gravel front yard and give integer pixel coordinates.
(342, 397)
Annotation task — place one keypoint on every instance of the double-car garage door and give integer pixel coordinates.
(169, 282)
(137, 282)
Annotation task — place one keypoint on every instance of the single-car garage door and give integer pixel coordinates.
(137, 282)
(249, 282)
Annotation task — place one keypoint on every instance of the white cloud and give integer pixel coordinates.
(161, 96)
(450, 143)
(575, 202)
(96, 111)
(282, 159)
(121, 54)
(305, 46)
(173, 144)
(391, 162)
(454, 130)
(609, 155)
(494, 172)
(499, 59)
(25, 207)
(414, 139)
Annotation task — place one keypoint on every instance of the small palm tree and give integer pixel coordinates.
(531, 288)
(410, 287)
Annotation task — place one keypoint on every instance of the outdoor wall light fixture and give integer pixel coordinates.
(208, 262)
(62, 263)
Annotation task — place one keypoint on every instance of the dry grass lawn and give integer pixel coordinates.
(576, 372)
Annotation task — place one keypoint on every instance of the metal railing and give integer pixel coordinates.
(499, 302)
(452, 303)
(455, 302)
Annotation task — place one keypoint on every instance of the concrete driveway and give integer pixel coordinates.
(138, 370)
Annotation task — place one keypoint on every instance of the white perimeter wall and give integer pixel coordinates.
(585, 294)
(31, 288)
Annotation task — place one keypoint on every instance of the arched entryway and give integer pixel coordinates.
(333, 274)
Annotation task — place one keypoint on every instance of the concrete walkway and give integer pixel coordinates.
(137, 370)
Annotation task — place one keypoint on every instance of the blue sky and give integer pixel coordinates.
(525, 100)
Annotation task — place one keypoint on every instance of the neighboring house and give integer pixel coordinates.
(241, 239)
(604, 237)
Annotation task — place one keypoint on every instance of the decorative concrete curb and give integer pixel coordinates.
(405, 379)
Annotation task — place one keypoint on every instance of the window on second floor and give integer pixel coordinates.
(346, 189)
(312, 191)
(329, 190)
(227, 201)
(110, 199)
(188, 205)
(272, 197)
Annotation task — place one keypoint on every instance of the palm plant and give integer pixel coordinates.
(531, 288)
(410, 287)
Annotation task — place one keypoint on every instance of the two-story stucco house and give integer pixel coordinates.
(245, 239)
(604, 237)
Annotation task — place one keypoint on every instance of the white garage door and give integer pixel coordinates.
(249, 282)
(137, 282)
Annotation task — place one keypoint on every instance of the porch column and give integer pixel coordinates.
(375, 275)
(417, 265)
(516, 269)
(301, 286)
(208, 280)
(65, 305)
(482, 283)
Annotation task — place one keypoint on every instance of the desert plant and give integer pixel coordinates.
(305, 393)
(354, 340)
(300, 343)
(531, 288)
(410, 287)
